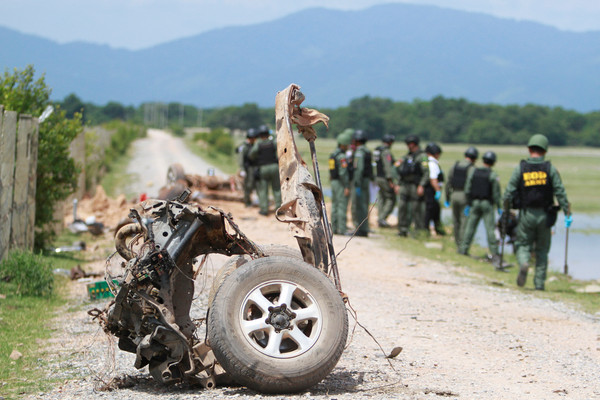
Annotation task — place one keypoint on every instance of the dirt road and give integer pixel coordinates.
(151, 159)
(461, 337)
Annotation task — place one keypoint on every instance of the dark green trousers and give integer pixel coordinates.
(411, 208)
(458, 201)
(268, 176)
(249, 184)
(534, 236)
(387, 199)
(360, 208)
(480, 209)
(339, 207)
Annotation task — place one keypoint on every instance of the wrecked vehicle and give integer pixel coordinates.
(209, 186)
(276, 320)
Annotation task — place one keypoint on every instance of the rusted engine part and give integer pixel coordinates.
(204, 186)
(302, 206)
(150, 314)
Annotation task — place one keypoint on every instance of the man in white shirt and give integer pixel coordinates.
(433, 189)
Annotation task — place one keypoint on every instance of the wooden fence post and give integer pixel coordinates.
(33, 140)
(18, 234)
(8, 129)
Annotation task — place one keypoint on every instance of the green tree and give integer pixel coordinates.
(56, 171)
(72, 105)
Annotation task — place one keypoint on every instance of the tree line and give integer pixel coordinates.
(447, 120)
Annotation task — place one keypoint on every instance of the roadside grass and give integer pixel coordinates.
(24, 326)
(559, 287)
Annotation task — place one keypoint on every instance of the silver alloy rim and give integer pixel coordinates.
(280, 319)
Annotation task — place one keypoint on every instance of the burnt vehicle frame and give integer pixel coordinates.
(276, 319)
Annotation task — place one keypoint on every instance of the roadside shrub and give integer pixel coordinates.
(26, 274)
(124, 134)
(177, 130)
(217, 140)
(224, 144)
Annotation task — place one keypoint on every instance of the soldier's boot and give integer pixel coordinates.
(522, 275)
(383, 223)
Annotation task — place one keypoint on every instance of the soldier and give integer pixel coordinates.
(455, 194)
(433, 188)
(384, 161)
(482, 190)
(340, 184)
(532, 188)
(247, 168)
(264, 155)
(413, 175)
(362, 175)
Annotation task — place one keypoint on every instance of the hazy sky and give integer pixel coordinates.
(136, 24)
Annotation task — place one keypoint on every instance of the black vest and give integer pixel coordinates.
(368, 167)
(410, 170)
(481, 187)
(334, 168)
(535, 186)
(378, 157)
(267, 153)
(459, 177)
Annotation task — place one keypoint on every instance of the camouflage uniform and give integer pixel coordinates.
(412, 171)
(384, 164)
(362, 175)
(264, 155)
(340, 186)
(482, 191)
(532, 188)
(455, 195)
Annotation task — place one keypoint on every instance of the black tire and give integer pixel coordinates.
(175, 173)
(235, 262)
(285, 349)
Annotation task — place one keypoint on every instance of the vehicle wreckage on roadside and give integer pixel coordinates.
(276, 320)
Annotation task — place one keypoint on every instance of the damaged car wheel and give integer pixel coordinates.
(237, 261)
(277, 325)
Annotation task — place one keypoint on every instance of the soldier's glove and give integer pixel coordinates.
(467, 211)
(499, 212)
(438, 195)
(446, 204)
(568, 220)
(243, 174)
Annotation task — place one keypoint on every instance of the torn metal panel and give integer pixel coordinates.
(301, 197)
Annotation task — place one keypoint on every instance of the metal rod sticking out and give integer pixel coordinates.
(334, 267)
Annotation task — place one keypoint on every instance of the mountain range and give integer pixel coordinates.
(398, 51)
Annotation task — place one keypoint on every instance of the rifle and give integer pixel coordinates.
(566, 268)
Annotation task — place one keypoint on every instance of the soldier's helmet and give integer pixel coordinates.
(263, 130)
(360, 135)
(412, 139)
(388, 138)
(344, 138)
(433, 148)
(472, 153)
(538, 140)
(489, 157)
(251, 133)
